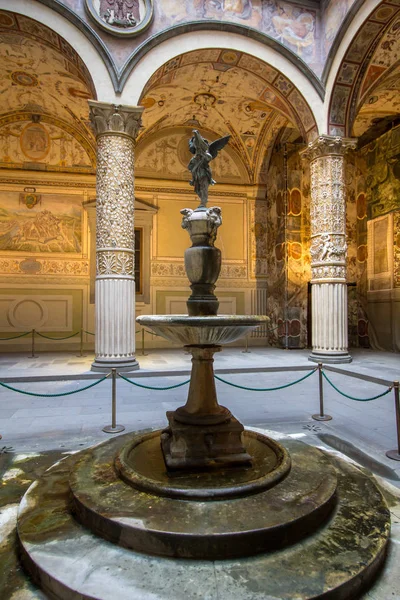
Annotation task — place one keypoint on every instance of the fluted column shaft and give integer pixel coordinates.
(328, 248)
(116, 128)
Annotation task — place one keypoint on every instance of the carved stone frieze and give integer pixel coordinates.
(328, 145)
(115, 263)
(328, 272)
(115, 119)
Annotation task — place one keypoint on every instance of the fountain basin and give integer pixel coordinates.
(202, 331)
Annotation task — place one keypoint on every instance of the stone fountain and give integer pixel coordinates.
(203, 508)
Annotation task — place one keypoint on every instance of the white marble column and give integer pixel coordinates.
(116, 128)
(328, 248)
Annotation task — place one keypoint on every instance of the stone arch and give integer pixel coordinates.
(359, 66)
(226, 91)
(297, 74)
(91, 50)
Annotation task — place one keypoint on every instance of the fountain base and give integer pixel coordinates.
(187, 446)
(319, 532)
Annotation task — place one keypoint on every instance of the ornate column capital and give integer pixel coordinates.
(328, 145)
(115, 119)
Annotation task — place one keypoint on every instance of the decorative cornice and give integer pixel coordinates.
(115, 118)
(328, 145)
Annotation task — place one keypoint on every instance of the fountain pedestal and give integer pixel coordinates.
(202, 433)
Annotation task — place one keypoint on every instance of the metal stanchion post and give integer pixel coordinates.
(81, 345)
(113, 428)
(33, 355)
(246, 350)
(321, 416)
(395, 454)
(143, 352)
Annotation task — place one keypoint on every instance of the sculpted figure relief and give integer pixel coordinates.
(199, 164)
(124, 13)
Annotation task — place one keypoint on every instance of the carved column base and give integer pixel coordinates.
(329, 323)
(115, 324)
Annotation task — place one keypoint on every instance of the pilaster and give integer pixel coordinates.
(116, 128)
(328, 248)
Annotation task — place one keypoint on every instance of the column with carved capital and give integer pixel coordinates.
(328, 248)
(116, 128)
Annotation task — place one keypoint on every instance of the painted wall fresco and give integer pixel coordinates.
(357, 252)
(294, 24)
(26, 143)
(333, 15)
(52, 224)
(287, 243)
(383, 181)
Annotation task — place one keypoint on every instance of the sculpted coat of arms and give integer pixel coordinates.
(121, 17)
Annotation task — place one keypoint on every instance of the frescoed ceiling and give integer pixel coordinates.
(367, 79)
(224, 91)
(44, 88)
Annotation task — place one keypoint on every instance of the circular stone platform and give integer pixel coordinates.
(141, 464)
(335, 561)
(217, 528)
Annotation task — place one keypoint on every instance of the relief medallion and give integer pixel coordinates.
(121, 17)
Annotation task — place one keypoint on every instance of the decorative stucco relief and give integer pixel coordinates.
(116, 128)
(328, 207)
(10, 266)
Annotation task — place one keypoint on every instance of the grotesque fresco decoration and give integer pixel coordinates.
(53, 225)
(44, 89)
(26, 142)
(225, 91)
(167, 154)
(364, 89)
(383, 182)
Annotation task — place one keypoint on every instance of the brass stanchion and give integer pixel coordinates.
(321, 416)
(113, 428)
(33, 355)
(395, 454)
(246, 349)
(143, 352)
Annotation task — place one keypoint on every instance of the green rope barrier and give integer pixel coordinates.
(149, 387)
(9, 387)
(152, 333)
(47, 337)
(352, 397)
(88, 332)
(279, 387)
(15, 336)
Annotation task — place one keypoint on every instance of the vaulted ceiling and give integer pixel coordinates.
(224, 92)
(44, 88)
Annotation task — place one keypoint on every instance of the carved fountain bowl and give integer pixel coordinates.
(202, 331)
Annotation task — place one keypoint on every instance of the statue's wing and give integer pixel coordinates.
(216, 146)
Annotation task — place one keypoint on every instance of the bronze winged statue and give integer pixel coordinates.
(199, 164)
